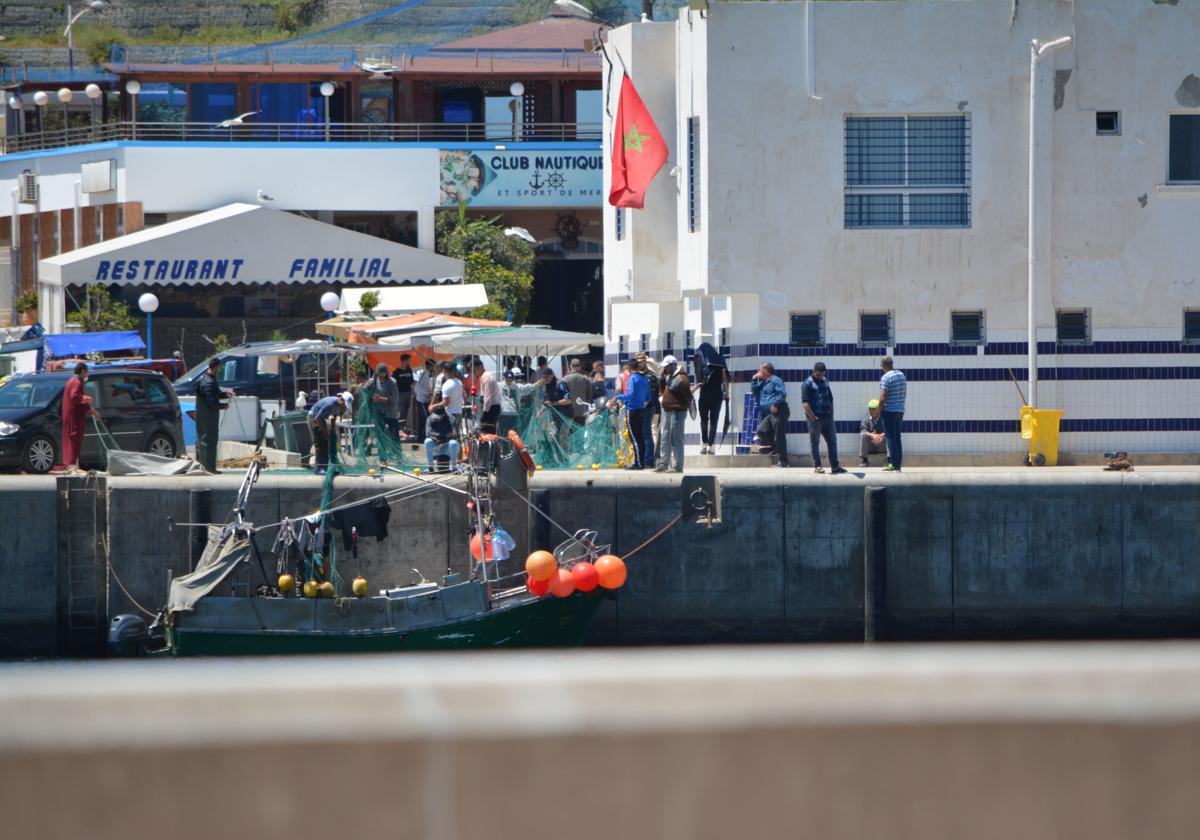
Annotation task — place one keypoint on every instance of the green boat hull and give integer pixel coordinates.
(546, 622)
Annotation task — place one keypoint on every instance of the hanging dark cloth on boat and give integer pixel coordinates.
(371, 520)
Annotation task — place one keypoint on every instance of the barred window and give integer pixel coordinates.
(619, 227)
(966, 328)
(622, 347)
(644, 342)
(875, 329)
(1191, 326)
(908, 171)
(1073, 326)
(808, 329)
(1184, 149)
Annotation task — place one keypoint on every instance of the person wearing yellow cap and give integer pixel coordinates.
(871, 437)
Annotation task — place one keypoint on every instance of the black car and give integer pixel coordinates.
(138, 407)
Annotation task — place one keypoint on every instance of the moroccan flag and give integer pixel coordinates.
(639, 150)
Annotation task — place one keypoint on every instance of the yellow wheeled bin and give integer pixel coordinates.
(1040, 428)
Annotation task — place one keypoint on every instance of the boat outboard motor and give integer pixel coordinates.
(127, 635)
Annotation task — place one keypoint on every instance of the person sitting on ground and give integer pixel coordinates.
(441, 437)
(871, 437)
(322, 420)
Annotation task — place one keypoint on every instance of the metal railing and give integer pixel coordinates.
(259, 132)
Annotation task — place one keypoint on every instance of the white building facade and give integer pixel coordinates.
(848, 180)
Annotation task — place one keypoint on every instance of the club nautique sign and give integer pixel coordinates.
(504, 178)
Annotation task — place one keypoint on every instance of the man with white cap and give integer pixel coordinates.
(871, 436)
(676, 398)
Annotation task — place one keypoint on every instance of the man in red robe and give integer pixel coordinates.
(76, 406)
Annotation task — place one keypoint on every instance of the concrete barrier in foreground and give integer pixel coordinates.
(1097, 741)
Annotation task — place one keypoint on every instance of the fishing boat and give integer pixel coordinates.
(205, 615)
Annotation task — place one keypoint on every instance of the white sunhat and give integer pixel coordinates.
(669, 360)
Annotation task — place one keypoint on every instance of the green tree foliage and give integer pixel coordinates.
(293, 16)
(503, 264)
(367, 302)
(100, 313)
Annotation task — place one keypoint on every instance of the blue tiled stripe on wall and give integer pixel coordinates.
(991, 374)
(1012, 427)
(767, 352)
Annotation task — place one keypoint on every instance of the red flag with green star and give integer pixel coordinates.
(639, 150)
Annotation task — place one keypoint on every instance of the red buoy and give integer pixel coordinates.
(537, 587)
(586, 576)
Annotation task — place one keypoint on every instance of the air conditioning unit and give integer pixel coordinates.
(27, 188)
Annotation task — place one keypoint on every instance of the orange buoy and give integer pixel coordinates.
(611, 570)
(586, 576)
(541, 565)
(326, 590)
(522, 453)
(562, 584)
(475, 549)
(537, 587)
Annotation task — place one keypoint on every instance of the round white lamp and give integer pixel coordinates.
(330, 301)
(327, 89)
(133, 87)
(516, 89)
(65, 95)
(16, 103)
(93, 91)
(41, 98)
(148, 303)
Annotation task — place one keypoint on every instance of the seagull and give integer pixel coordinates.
(520, 233)
(263, 197)
(238, 120)
(376, 67)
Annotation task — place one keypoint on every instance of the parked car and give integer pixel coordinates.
(138, 407)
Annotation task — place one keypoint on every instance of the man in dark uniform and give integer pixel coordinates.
(209, 397)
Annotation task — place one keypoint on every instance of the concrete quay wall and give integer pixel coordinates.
(787, 556)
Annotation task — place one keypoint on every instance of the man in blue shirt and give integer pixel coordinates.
(817, 397)
(637, 394)
(893, 388)
(322, 420)
(771, 394)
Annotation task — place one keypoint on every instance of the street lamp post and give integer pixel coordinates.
(65, 95)
(518, 92)
(40, 99)
(96, 6)
(17, 105)
(1037, 51)
(148, 303)
(327, 89)
(133, 87)
(93, 94)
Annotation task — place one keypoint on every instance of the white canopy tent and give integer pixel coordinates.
(517, 341)
(402, 300)
(238, 243)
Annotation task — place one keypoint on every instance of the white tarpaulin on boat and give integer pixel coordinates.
(220, 559)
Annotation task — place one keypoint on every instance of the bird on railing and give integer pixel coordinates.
(238, 120)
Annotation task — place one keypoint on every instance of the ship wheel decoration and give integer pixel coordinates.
(568, 229)
(556, 181)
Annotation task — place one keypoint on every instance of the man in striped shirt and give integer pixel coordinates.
(893, 388)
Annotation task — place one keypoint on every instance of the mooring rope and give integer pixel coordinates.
(661, 531)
